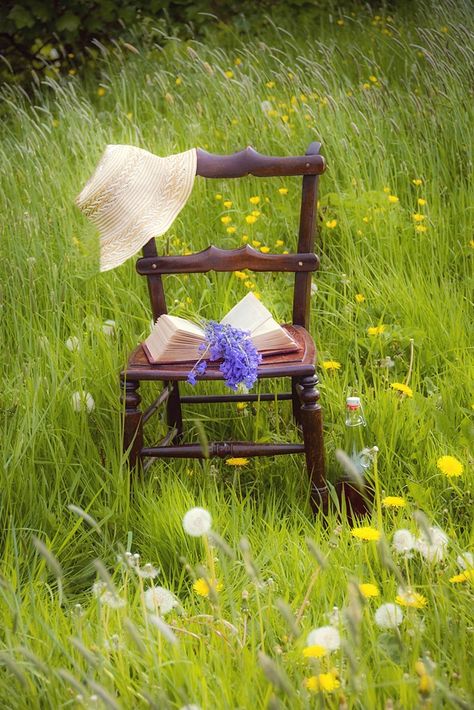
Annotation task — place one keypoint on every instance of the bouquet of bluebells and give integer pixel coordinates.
(239, 356)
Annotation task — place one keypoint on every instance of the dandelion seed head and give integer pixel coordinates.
(197, 522)
(73, 343)
(465, 560)
(82, 401)
(160, 600)
(325, 636)
(403, 542)
(388, 616)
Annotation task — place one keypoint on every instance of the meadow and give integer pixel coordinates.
(106, 601)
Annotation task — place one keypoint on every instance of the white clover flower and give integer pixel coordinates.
(433, 545)
(403, 542)
(159, 599)
(326, 636)
(147, 571)
(73, 343)
(197, 522)
(82, 401)
(465, 560)
(388, 616)
(108, 327)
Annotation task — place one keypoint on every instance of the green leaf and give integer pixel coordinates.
(69, 22)
(21, 17)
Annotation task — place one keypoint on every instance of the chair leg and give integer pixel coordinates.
(133, 424)
(173, 410)
(312, 426)
(295, 402)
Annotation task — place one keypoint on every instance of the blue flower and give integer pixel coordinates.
(234, 348)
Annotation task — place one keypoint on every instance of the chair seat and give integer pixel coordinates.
(301, 362)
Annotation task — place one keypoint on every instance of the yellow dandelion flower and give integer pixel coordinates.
(279, 243)
(285, 118)
(404, 389)
(230, 230)
(55, 123)
(373, 79)
(426, 685)
(178, 81)
(129, 115)
(283, 190)
(365, 86)
(250, 219)
(359, 298)
(203, 588)
(249, 284)
(237, 61)
(227, 203)
(465, 576)
(421, 228)
(229, 74)
(393, 199)
(285, 251)
(254, 200)
(324, 682)
(331, 223)
(412, 599)
(387, 190)
(264, 250)
(257, 295)
(241, 406)
(450, 466)
(331, 365)
(256, 243)
(340, 22)
(237, 461)
(240, 274)
(366, 219)
(471, 243)
(314, 651)
(421, 201)
(303, 97)
(101, 91)
(368, 590)
(256, 213)
(376, 329)
(218, 196)
(417, 182)
(394, 502)
(417, 217)
(226, 219)
(245, 238)
(270, 84)
(366, 533)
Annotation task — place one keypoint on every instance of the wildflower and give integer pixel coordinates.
(417, 182)
(229, 74)
(101, 91)
(256, 213)
(264, 250)
(283, 190)
(245, 237)
(421, 201)
(241, 406)
(432, 544)
(394, 502)
(417, 217)
(240, 274)
(98, 588)
(237, 461)
(324, 682)
(147, 571)
(387, 362)
(376, 329)
(82, 401)
(387, 190)
(331, 223)
(227, 203)
(404, 389)
(366, 533)
(159, 599)
(108, 327)
(254, 200)
(403, 542)
(421, 228)
(463, 577)
(359, 298)
(73, 343)
(373, 79)
(178, 81)
(250, 219)
(226, 219)
(111, 600)
(266, 107)
(340, 22)
(407, 597)
(369, 590)
(256, 243)
(465, 560)
(314, 651)
(331, 365)
(237, 61)
(279, 243)
(388, 616)
(203, 588)
(197, 522)
(285, 118)
(450, 466)
(230, 230)
(218, 196)
(270, 84)
(393, 199)
(325, 636)
(249, 284)
(366, 86)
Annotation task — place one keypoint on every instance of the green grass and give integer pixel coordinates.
(413, 122)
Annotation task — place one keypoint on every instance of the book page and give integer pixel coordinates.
(247, 314)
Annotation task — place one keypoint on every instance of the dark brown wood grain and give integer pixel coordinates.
(250, 162)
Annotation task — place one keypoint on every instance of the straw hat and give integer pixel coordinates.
(133, 196)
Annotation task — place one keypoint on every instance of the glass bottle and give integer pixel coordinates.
(354, 445)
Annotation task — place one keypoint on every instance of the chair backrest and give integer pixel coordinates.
(302, 263)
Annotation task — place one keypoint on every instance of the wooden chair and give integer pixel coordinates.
(299, 366)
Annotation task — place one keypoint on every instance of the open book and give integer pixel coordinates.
(175, 339)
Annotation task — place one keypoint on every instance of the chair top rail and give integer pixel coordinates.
(250, 162)
(216, 259)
